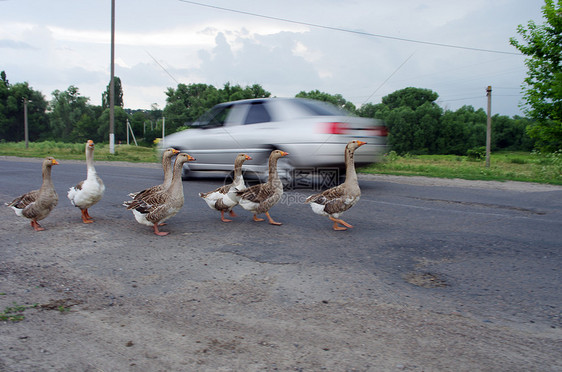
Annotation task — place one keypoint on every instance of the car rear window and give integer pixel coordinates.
(257, 113)
(213, 118)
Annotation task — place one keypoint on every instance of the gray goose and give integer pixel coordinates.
(225, 198)
(260, 198)
(167, 166)
(333, 202)
(90, 191)
(37, 204)
(153, 207)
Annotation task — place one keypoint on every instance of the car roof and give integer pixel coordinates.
(327, 107)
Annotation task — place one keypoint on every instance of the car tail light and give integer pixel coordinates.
(334, 128)
(380, 131)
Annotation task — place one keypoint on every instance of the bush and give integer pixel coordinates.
(477, 153)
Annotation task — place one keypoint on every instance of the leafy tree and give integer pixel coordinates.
(454, 133)
(335, 99)
(462, 130)
(67, 109)
(370, 110)
(12, 111)
(86, 128)
(120, 128)
(412, 119)
(186, 103)
(543, 91)
(236, 92)
(118, 99)
(510, 134)
(410, 97)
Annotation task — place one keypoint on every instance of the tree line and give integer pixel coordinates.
(416, 124)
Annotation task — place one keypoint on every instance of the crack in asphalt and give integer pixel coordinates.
(485, 205)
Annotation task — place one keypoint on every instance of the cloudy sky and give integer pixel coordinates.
(361, 49)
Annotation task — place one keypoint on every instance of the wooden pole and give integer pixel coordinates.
(489, 126)
(163, 130)
(112, 84)
(25, 126)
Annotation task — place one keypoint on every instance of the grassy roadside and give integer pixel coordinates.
(75, 151)
(504, 166)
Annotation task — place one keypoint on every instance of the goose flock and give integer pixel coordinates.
(153, 206)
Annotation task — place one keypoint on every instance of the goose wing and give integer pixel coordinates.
(24, 200)
(334, 200)
(257, 193)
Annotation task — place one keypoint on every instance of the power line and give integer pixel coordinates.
(162, 67)
(351, 31)
(388, 78)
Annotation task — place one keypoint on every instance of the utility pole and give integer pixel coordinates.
(163, 130)
(112, 84)
(489, 126)
(25, 127)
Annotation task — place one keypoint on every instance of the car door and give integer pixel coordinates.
(211, 142)
(256, 132)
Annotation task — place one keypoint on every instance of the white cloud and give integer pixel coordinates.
(54, 45)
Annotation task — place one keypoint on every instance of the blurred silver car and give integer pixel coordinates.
(314, 133)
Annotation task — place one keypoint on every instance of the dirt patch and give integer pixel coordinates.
(426, 280)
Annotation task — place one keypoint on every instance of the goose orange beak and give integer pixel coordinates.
(361, 143)
(174, 151)
(283, 153)
(54, 162)
(248, 157)
(190, 158)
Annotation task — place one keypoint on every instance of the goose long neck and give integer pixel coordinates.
(47, 181)
(168, 171)
(237, 168)
(350, 173)
(91, 170)
(176, 176)
(273, 176)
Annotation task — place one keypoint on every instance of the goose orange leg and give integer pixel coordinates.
(224, 219)
(158, 232)
(271, 220)
(257, 219)
(338, 227)
(36, 226)
(86, 217)
(232, 214)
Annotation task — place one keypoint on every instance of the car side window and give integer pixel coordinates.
(214, 118)
(257, 113)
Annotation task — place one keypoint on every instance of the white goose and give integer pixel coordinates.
(225, 198)
(37, 204)
(90, 191)
(333, 202)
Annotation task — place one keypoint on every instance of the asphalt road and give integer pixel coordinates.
(485, 253)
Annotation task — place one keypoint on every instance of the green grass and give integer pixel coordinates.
(504, 166)
(75, 151)
(14, 313)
